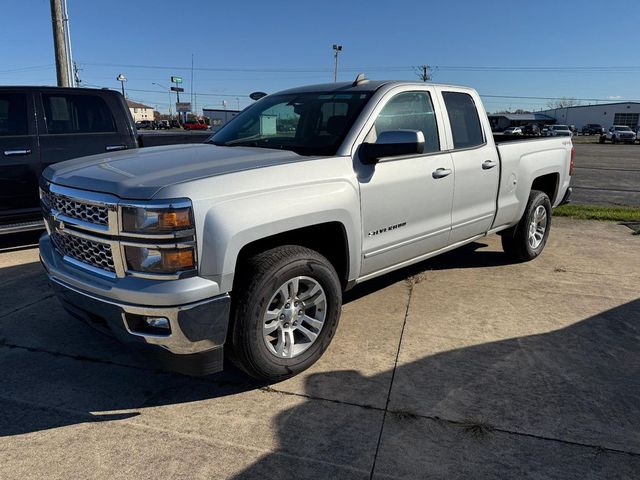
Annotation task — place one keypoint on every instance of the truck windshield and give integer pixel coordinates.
(623, 129)
(306, 123)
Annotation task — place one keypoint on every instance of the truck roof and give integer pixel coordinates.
(366, 86)
(41, 88)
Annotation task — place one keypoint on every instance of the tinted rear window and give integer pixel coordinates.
(464, 120)
(13, 114)
(72, 113)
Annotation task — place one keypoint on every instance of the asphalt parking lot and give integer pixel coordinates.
(463, 367)
(606, 174)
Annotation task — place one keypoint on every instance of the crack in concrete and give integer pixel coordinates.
(393, 376)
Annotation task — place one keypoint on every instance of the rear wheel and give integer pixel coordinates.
(286, 310)
(527, 239)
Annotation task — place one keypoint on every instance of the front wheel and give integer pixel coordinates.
(287, 305)
(527, 239)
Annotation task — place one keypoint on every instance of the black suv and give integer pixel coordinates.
(531, 129)
(592, 129)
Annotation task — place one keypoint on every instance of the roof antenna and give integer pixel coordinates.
(360, 79)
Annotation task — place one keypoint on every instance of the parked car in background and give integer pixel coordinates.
(592, 129)
(245, 244)
(163, 124)
(195, 125)
(559, 131)
(574, 130)
(513, 131)
(619, 133)
(532, 129)
(145, 125)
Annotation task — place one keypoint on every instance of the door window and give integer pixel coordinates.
(410, 111)
(69, 113)
(464, 120)
(13, 114)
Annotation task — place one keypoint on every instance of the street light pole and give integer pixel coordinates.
(162, 86)
(121, 78)
(337, 49)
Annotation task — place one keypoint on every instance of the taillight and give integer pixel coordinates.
(573, 154)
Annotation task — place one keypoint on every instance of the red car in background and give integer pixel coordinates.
(195, 125)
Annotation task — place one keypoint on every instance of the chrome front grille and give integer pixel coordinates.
(95, 254)
(87, 212)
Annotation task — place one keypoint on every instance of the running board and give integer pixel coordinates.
(21, 227)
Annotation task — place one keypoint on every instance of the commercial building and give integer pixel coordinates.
(605, 114)
(218, 117)
(140, 111)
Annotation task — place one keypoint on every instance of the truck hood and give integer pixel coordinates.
(138, 174)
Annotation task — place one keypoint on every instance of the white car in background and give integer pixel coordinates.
(513, 131)
(559, 131)
(619, 133)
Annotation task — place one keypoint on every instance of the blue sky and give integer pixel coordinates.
(244, 46)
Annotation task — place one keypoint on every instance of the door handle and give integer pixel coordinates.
(19, 151)
(441, 173)
(489, 164)
(113, 148)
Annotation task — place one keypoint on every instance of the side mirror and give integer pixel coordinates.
(392, 144)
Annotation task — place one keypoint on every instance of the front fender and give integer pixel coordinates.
(230, 225)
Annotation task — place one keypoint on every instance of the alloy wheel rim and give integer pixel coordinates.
(294, 317)
(537, 227)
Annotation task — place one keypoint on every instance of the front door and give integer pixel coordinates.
(19, 156)
(405, 201)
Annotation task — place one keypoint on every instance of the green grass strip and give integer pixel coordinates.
(599, 212)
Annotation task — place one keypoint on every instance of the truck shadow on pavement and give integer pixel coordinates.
(550, 403)
(563, 404)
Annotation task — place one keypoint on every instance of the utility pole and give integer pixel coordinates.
(337, 49)
(59, 44)
(423, 72)
(67, 43)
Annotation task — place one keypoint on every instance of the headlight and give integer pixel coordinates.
(156, 220)
(160, 260)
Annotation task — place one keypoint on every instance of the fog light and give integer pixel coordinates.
(157, 322)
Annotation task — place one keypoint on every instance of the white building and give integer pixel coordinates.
(218, 117)
(605, 114)
(140, 111)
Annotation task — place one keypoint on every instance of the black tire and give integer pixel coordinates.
(515, 240)
(260, 278)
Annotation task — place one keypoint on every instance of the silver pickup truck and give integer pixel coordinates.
(246, 243)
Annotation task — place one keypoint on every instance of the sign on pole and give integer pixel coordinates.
(176, 79)
(177, 89)
(183, 107)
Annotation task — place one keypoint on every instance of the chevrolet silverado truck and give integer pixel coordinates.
(241, 247)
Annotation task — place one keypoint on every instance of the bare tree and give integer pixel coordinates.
(563, 102)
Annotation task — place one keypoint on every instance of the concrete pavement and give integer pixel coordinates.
(465, 366)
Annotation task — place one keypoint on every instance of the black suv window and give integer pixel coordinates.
(70, 113)
(13, 114)
(410, 111)
(464, 120)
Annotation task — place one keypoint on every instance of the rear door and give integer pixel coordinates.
(77, 124)
(476, 164)
(19, 156)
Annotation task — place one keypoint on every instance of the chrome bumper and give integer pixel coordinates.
(194, 342)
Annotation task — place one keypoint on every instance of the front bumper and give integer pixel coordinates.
(194, 342)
